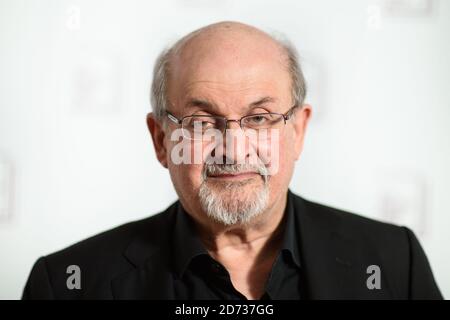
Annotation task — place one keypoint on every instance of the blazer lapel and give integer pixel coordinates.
(335, 263)
(149, 253)
(152, 280)
(327, 258)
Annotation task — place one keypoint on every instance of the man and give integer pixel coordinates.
(236, 232)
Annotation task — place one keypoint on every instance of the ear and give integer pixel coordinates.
(300, 121)
(158, 135)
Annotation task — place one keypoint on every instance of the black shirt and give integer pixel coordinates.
(199, 276)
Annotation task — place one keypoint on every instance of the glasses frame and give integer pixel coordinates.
(286, 116)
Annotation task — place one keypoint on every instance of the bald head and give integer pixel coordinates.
(225, 35)
(228, 53)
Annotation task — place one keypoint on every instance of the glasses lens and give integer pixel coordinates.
(262, 121)
(195, 126)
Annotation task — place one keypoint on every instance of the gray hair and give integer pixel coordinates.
(158, 94)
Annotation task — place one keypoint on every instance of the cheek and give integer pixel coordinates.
(185, 172)
(281, 153)
(186, 176)
(284, 156)
(288, 145)
(186, 180)
(194, 175)
(285, 160)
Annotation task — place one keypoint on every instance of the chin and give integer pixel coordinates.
(233, 203)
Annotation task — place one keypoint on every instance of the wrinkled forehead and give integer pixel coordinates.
(229, 64)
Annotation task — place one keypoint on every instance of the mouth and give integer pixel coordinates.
(234, 176)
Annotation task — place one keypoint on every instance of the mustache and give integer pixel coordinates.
(215, 169)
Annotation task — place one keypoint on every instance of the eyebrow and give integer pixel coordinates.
(262, 101)
(210, 106)
(195, 102)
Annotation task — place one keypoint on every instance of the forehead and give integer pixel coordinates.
(229, 68)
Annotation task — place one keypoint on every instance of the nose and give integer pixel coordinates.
(235, 146)
(237, 124)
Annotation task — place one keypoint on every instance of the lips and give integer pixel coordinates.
(238, 175)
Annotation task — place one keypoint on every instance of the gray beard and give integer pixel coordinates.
(229, 207)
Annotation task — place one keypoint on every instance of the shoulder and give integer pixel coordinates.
(406, 272)
(99, 258)
(354, 225)
(114, 241)
(362, 238)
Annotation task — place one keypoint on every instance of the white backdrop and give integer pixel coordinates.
(76, 157)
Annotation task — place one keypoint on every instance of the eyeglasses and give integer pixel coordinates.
(196, 125)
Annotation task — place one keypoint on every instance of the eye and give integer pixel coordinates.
(207, 123)
(258, 119)
(200, 122)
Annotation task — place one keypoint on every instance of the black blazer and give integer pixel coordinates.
(133, 261)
